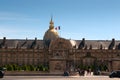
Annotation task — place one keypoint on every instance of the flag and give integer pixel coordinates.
(57, 28)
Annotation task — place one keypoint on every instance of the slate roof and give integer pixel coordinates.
(97, 43)
(21, 43)
(38, 44)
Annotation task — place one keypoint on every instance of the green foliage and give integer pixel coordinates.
(1, 67)
(32, 68)
(85, 67)
(103, 67)
(15, 67)
(46, 68)
(81, 66)
(10, 67)
(40, 67)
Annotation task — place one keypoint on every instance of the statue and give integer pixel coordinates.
(111, 44)
(82, 44)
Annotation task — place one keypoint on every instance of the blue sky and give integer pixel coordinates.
(89, 19)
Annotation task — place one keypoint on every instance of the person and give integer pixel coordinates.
(79, 71)
(66, 73)
(85, 73)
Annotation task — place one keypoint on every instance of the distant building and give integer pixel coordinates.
(61, 54)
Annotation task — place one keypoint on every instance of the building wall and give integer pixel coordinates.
(74, 57)
(28, 57)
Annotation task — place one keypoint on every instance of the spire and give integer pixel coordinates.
(51, 19)
(51, 24)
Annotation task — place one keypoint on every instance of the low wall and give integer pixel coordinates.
(105, 73)
(30, 73)
(40, 73)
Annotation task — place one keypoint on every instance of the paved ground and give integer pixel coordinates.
(57, 78)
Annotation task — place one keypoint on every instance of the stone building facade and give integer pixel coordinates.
(60, 53)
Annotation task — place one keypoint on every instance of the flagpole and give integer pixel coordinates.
(60, 30)
(60, 33)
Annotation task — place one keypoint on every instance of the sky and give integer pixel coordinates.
(89, 19)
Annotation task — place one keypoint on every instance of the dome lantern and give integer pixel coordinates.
(51, 24)
(50, 34)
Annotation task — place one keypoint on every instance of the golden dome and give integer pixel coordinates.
(51, 33)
